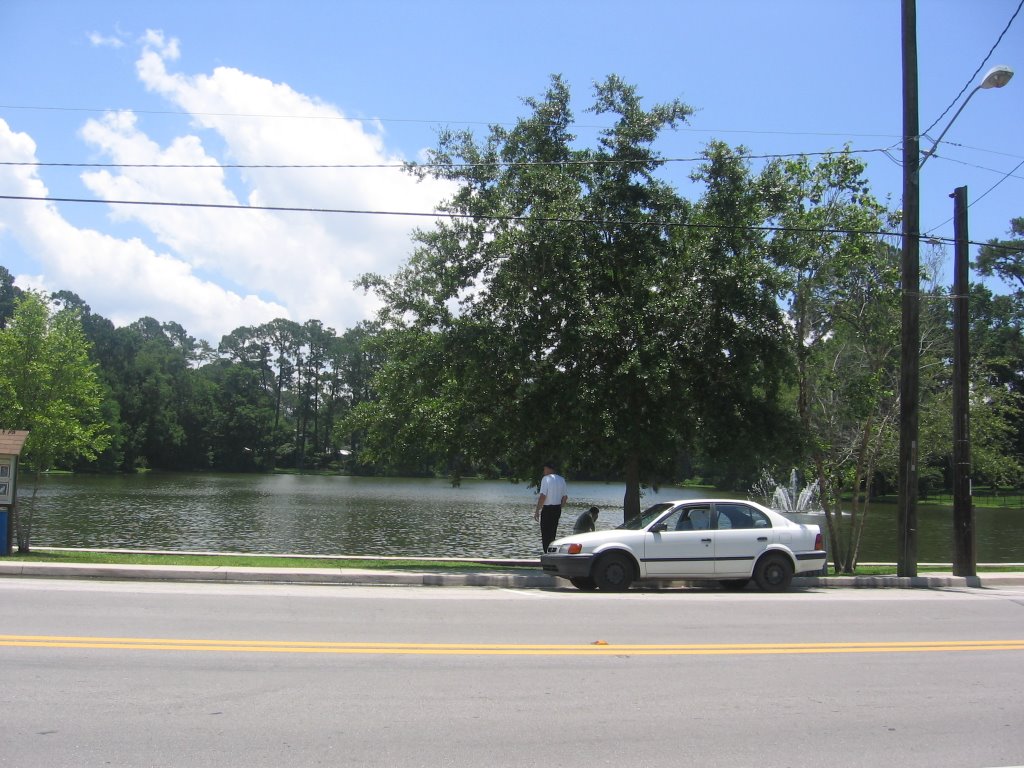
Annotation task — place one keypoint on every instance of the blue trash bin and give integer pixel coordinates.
(5, 532)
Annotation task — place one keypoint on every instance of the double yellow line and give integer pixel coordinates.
(597, 648)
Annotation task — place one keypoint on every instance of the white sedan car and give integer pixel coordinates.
(714, 539)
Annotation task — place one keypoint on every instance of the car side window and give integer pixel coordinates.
(741, 516)
(695, 519)
(673, 521)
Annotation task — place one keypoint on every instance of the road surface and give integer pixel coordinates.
(168, 674)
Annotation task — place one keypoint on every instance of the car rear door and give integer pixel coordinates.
(742, 534)
(682, 545)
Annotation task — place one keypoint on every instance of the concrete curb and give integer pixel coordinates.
(519, 578)
(240, 574)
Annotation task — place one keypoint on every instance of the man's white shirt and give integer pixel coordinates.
(553, 487)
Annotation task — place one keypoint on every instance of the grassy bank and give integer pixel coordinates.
(78, 557)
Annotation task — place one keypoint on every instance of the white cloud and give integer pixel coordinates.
(210, 269)
(121, 279)
(167, 49)
(105, 41)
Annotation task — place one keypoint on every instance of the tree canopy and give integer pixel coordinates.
(570, 305)
(574, 306)
(48, 386)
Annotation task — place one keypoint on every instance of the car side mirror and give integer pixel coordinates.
(659, 528)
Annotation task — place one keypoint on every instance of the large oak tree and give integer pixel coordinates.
(572, 305)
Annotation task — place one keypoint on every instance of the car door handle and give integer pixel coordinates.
(706, 541)
(762, 538)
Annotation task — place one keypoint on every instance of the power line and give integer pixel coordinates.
(983, 194)
(972, 78)
(422, 121)
(464, 216)
(975, 166)
(403, 166)
(451, 215)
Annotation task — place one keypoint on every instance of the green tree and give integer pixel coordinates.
(559, 312)
(358, 357)
(995, 394)
(1005, 258)
(9, 293)
(997, 354)
(104, 348)
(843, 303)
(49, 386)
(240, 412)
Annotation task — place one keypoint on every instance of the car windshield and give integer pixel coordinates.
(646, 517)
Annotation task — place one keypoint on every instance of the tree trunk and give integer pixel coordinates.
(631, 500)
(22, 522)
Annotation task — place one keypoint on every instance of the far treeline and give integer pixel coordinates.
(574, 306)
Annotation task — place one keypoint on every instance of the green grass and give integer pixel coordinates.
(890, 570)
(251, 561)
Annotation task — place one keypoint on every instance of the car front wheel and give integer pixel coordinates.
(773, 573)
(613, 572)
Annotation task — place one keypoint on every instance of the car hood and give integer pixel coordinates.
(597, 538)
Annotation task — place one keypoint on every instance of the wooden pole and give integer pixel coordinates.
(906, 552)
(964, 547)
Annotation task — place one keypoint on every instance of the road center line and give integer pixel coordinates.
(501, 649)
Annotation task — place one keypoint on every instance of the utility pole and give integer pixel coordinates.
(906, 552)
(964, 547)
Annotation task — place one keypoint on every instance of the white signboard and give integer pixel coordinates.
(7, 480)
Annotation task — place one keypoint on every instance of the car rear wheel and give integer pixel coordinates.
(583, 582)
(773, 573)
(613, 572)
(734, 585)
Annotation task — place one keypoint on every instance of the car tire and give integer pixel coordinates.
(734, 585)
(613, 572)
(584, 583)
(773, 573)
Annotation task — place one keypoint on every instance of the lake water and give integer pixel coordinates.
(333, 515)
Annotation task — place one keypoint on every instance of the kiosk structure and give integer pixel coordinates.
(11, 443)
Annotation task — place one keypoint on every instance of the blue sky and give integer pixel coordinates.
(255, 82)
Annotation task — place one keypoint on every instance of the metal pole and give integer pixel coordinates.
(906, 553)
(964, 548)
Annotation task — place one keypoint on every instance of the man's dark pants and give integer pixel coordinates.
(549, 516)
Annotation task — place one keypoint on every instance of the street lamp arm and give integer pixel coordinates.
(945, 130)
(996, 77)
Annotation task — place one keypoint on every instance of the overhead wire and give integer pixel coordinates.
(885, 151)
(349, 118)
(973, 77)
(981, 196)
(970, 81)
(510, 218)
(405, 165)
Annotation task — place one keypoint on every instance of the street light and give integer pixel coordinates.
(996, 77)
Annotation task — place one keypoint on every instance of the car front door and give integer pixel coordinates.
(681, 544)
(742, 534)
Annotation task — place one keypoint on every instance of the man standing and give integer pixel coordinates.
(553, 495)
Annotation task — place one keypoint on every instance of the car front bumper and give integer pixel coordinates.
(567, 566)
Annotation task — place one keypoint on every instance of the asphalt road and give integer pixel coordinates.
(102, 673)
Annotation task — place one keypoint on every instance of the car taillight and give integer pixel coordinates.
(574, 549)
(818, 541)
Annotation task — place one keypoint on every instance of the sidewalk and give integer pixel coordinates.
(514, 574)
